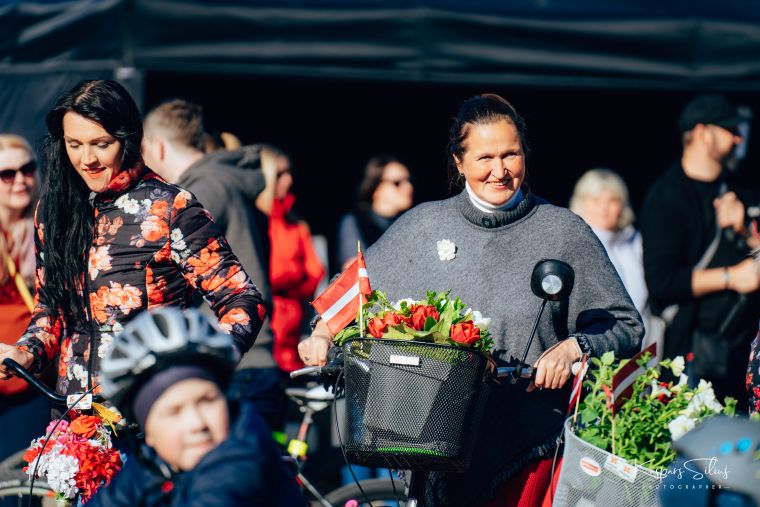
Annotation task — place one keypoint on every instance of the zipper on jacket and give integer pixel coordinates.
(88, 305)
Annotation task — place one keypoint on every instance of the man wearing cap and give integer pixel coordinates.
(695, 250)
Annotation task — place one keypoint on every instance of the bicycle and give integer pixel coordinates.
(427, 380)
(375, 492)
(15, 483)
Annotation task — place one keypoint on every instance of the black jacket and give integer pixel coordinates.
(677, 225)
(245, 470)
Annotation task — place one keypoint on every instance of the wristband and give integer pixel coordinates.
(583, 343)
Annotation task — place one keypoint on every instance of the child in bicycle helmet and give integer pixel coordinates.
(167, 371)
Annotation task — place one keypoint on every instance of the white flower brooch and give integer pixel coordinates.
(446, 249)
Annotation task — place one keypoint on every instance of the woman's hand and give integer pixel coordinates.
(22, 357)
(554, 367)
(313, 350)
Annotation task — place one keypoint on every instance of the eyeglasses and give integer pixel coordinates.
(398, 183)
(8, 175)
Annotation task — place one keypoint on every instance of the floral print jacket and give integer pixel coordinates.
(753, 375)
(153, 245)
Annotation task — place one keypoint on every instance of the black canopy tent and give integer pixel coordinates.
(681, 44)
(667, 48)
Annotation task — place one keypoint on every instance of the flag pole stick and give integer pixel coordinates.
(578, 399)
(361, 298)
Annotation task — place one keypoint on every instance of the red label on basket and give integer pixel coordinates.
(590, 466)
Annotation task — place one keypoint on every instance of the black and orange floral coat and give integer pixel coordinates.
(153, 245)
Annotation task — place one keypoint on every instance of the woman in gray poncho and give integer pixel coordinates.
(500, 230)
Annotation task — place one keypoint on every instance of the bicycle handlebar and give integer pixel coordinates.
(33, 381)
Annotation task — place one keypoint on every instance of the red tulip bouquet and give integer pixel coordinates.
(437, 319)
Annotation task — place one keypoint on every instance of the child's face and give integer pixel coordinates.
(187, 421)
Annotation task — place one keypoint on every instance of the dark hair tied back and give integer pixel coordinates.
(480, 110)
(66, 211)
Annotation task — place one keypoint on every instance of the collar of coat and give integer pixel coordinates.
(124, 180)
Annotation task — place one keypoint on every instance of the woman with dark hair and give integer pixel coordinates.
(497, 230)
(384, 193)
(112, 238)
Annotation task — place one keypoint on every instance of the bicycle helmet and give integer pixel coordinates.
(161, 338)
(725, 452)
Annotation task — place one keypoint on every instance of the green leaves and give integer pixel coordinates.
(643, 424)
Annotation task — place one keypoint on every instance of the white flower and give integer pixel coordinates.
(178, 241)
(683, 381)
(446, 249)
(130, 206)
(677, 366)
(478, 319)
(78, 372)
(106, 339)
(703, 398)
(58, 470)
(117, 327)
(175, 257)
(680, 426)
(397, 305)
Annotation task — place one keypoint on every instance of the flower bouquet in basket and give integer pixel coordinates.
(619, 448)
(75, 458)
(409, 365)
(436, 319)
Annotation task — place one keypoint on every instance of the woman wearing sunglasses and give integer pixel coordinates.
(113, 238)
(384, 193)
(18, 193)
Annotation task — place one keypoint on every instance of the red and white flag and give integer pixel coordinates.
(577, 385)
(339, 303)
(622, 382)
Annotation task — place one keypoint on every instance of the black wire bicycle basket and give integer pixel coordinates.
(412, 405)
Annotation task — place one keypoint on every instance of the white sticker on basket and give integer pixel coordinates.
(85, 403)
(590, 466)
(405, 360)
(621, 468)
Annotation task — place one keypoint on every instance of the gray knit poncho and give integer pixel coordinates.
(491, 271)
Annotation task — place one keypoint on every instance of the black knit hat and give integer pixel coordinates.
(711, 110)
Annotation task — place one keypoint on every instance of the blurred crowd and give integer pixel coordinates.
(685, 258)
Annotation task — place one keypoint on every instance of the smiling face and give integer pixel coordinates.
(493, 162)
(187, 421)
(94, 153)
(16, 194)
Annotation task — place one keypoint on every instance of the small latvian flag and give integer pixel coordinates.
(339, 303)
(622, 382)
(577, 384)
